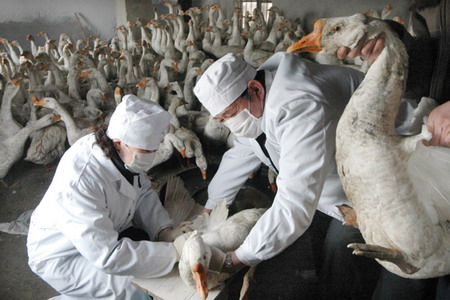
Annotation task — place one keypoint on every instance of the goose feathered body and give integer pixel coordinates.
(377, 166)
(389, 212)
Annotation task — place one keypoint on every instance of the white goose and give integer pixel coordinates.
(226, 234)
(8, 125)
(11, 149)
(398, 187)
(73, 131)
(255, 57)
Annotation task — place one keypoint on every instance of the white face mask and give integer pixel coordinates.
(244, 124)
(141, 162)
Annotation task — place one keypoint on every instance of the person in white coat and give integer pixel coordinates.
(285, 115)
(99, 190)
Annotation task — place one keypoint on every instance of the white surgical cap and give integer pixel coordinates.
(138, 123)
(223, 82)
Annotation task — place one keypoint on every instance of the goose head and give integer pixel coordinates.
(332, 33)
(47, 102)
(194, 263)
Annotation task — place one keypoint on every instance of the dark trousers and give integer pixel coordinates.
(320, 266)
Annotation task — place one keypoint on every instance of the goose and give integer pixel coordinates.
(165, 151)
(117, 95)
(272, 176)
(11, 149)
(47, 145)
(151, 89)
(147, 59)
(272, 41)
(219, 50)
(8, 125)
(398, 187)
(219, 231)
(73, 131)
(12, 52)
(255, 57)
(188, 88)
(33, 47)
(215, 133)
(193, 148)
(73, 83)
(164, 76)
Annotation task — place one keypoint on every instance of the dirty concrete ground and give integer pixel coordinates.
(27, 183)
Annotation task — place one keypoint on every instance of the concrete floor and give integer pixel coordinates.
(27, 184)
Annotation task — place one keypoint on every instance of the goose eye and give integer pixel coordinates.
(337, 28)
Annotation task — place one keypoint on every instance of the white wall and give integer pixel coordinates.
(21, 17)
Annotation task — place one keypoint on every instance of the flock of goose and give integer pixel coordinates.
(82, 81)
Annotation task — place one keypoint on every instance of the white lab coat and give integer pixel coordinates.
(72, 241)
(303, 104)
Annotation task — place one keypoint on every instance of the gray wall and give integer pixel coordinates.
(100, 17)
(21, 17)
(310, 10)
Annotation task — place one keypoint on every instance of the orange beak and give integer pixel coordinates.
(311, 42)
(37, 102)
(273, 187)
(203, 174)
(143, 82)
(57, 118)
(200, 275)
(183, 153)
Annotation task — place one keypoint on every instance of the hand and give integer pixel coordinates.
(169, 234)
(206, 211)
(439, 125)
(217, 260)
(368, 51)
(179, 244)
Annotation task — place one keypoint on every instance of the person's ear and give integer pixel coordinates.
(116, 143)
(255, 87)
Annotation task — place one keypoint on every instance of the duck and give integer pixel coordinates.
(11, 149)
(73, 131)
(219, 231)
(398, 187)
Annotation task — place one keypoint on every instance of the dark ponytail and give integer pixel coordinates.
(102, 140)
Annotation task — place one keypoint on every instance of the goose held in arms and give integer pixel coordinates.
(396, 185)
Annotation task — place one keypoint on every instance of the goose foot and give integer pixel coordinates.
(349, 215)
(246, 281)
(387, 254)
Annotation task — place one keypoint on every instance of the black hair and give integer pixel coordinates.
(103, 141)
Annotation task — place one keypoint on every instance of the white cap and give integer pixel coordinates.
(138, 123)
(223, 82)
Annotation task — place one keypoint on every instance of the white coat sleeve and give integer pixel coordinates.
(236, 166)
(150, 214)
(84, 220)
(307, 149)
